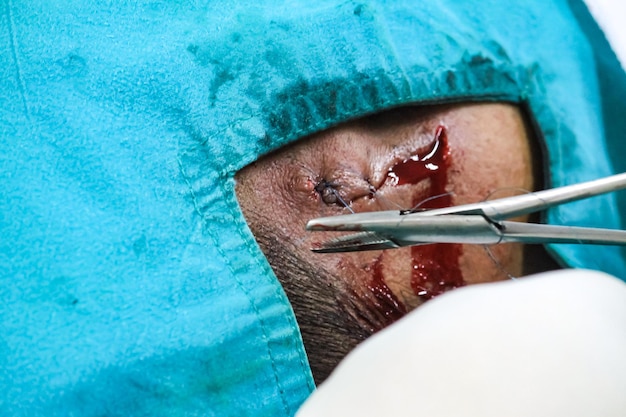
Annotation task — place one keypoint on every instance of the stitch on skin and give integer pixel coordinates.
(388, 204)
(327, 192)
(330, 195)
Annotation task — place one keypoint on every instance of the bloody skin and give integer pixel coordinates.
(392, 160)
(435, 267)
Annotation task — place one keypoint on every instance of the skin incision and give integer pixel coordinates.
(431, 156)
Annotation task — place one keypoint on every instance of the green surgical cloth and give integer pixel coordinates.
(130, 284)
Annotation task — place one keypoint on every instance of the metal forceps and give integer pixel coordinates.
(477, 223)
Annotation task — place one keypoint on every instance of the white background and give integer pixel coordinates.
(611, 16)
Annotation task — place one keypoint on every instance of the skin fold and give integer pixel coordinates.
(341, 299)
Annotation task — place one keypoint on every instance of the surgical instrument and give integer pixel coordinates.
(476, 223)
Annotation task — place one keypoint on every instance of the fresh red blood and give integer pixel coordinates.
(386, 302)
(436, 266)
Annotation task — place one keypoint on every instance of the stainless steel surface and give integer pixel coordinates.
(477, 223)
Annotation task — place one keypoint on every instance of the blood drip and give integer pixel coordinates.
(386, 302)
(435, 266)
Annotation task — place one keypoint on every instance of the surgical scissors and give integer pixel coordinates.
(476, 223)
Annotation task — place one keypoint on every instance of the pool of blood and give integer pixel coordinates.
(435, 267)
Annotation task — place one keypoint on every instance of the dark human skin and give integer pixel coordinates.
(341, 299)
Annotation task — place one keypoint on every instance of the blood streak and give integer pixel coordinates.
(385, 301)
(436, 266)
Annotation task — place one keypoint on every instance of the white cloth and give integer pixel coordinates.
(549, 345)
